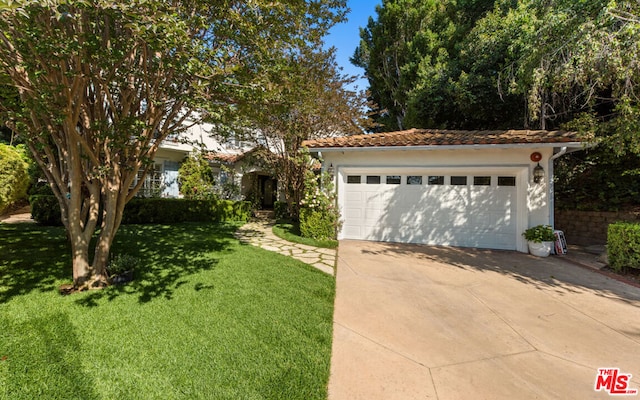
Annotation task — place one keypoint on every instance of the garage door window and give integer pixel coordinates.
(506, 181)
(373, 179)
(459, 180)
(393, 180)
(353, 178)
(482, 181)
(414, 180)
(436, 180)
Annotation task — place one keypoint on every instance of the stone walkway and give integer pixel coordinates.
(259, 233)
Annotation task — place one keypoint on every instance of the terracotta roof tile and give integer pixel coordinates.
(225, 158)
(435, 137)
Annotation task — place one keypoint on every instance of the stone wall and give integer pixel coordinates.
(588, 228)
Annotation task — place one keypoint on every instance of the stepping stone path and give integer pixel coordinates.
(259, 233)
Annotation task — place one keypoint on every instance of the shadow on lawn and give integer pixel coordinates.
(32, 258)
(51, 352)
(39, 258)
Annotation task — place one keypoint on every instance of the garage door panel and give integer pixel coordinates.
(471, 216)
(354, 196)
(354, 213)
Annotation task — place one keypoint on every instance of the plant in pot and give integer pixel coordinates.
(540, 239)
(121, 268)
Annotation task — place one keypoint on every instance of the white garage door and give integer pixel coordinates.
(456, 209)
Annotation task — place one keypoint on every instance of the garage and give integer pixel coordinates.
(436, 187)
(431, 207)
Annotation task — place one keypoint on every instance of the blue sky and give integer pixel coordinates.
(345, 37)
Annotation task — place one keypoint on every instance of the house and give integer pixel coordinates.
(457, 188)
(230, 160)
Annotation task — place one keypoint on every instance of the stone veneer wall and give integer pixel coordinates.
(588, 228)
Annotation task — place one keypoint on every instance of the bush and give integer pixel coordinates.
(318, 224)
(14, 179)
(195, 178)
(319, 216)
(623, 246)
(45, 210)
(281, 210)
(167, 211)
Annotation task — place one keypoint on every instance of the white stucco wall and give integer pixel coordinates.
(534, 202)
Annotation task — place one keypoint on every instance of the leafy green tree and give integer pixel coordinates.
(102, 83)
(419, 75)
(307, 99)
(195, 178)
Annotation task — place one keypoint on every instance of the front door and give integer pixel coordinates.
(268, 191)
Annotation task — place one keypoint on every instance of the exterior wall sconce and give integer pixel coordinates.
(330, 170)
(538, 173)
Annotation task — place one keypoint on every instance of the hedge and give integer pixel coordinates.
(45, 210)
(318, 225)
(623, 245)
(14, 179)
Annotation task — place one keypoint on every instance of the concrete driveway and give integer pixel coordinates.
(419, 322)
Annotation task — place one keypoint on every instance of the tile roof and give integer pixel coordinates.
(225, 158)
(436, 137)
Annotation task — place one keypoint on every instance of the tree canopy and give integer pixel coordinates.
(102, 83)
(309, 98)
(483, 64)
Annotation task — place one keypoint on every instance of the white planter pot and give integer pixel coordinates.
(542, 249)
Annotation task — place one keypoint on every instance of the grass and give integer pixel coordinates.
(206, 317)
(291, 232)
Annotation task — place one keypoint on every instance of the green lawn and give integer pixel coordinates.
(207, 317)
(291, 232)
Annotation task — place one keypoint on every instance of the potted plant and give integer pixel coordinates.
(540, 239)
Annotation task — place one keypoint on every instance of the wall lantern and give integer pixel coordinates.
(330, 170)
(538, 173)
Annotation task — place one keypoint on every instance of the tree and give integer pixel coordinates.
(102, 83)
(418, 74)
(195, 178)
(307, 98)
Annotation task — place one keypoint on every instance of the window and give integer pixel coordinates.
(393, 180)
(414, 180)
(353, 178)
(436, 180)
(459, 180)
(373, 179)
(506, 181)
(153, 182)
(482, 181)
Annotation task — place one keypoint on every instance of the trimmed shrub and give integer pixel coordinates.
(318, 224)
(14, 179)
(623, 246)
(45, 210)
(167, 211)
(281, 210)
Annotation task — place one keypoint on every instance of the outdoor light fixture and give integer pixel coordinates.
(330, 170)
(538, 173)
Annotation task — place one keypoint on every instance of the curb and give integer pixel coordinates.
(605, 273)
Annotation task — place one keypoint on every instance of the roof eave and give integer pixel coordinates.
(452, 147)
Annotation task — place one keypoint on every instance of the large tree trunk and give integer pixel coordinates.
(114, 202)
